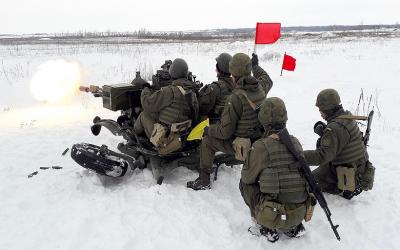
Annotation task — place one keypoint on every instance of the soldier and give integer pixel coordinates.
(341, 154)
(171, 105)
(239, 125)
(271, 183)
(213, 96)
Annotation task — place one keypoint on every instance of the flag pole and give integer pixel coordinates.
(255, 39)
(283, 62)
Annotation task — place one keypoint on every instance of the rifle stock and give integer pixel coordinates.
(305, 169)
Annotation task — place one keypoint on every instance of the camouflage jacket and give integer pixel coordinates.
(166, 98)
(257, 86)
(341, 142)
(273, 167)
(213, 96)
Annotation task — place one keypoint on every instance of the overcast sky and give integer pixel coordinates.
(37, 16)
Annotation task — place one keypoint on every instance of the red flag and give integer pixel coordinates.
(289, 63)
(267, 33)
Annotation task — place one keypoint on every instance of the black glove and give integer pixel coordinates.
(205, 131)
(319, 128)
(254, 60)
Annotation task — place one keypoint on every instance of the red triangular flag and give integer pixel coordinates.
(267, 33)
(289, 63)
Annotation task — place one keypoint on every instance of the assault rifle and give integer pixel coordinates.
(305, 170)
(368, 130)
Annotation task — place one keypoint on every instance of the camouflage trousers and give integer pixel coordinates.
(326, 177)
(251, 195)
(144, 123)
(209, 146)
(256, 200)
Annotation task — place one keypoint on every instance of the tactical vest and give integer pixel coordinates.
(178, 111)
(354, 149)
(248, 121)
(281, 178)
(225, 90)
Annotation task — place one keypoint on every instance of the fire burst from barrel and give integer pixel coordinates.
(56, 81)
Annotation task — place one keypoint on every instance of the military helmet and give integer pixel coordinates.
(240, 65)
(178, 69)
(328, 99)
(223, 62)
(272, 111)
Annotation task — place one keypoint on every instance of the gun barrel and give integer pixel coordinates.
(84, 89)
(95, 90)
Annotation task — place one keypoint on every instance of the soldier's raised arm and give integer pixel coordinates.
(261, 75)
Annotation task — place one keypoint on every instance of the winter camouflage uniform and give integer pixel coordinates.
(168, 105)
(271, 183)
(238, 119)
(341, 153)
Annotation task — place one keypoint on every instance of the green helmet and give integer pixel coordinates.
(328, 99)
(240, 65)
(178, 69)
(223, 62)
(272, 111)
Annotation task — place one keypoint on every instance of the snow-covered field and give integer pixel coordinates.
(71, 208)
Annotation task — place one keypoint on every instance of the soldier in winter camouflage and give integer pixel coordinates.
(239, 125)
(213, 96)
(341, 154)
(271, 183)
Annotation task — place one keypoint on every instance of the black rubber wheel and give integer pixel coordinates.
(92, 157)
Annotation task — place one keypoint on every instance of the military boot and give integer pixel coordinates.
(348, 195)
(258, 230)
(296, 232)
(201, 183)
(271, 234)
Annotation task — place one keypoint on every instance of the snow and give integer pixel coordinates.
(71, 208)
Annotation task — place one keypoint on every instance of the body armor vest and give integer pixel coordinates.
(178, 111)
(281, 178)
(225, 90)
(248, 124)
(354, 149)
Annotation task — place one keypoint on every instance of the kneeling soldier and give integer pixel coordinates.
(341, 154)
(271, 183)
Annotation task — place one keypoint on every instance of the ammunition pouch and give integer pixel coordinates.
(310, 204)
(274, 215)
(346, 178)
(181, 127)
(367, 178)
(159, 132)
(171, 143)
(242, 147)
